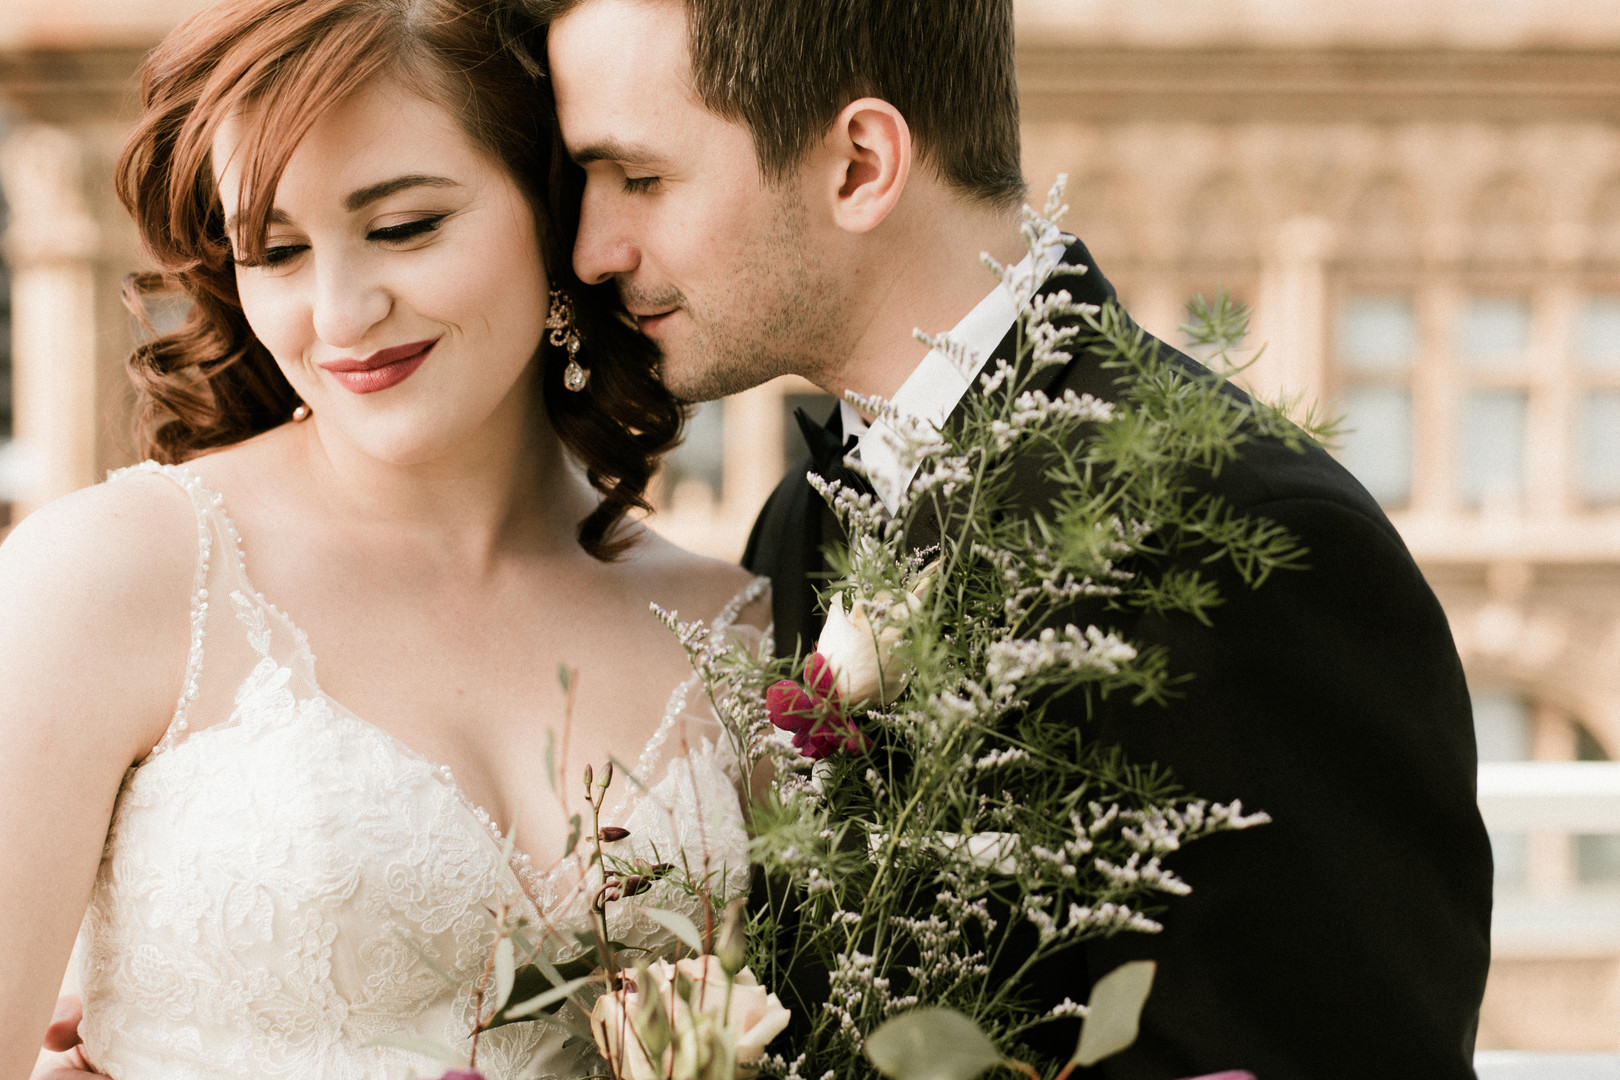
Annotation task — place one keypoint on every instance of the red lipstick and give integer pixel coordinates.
(380, 370)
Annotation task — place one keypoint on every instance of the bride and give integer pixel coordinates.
(369, 447)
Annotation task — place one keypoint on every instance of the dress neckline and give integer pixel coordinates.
(531, 879)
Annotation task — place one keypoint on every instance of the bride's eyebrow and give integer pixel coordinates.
(360, 198)
(277, 217)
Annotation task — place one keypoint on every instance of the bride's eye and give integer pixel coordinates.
(639, 185)
(274, 255)
(408, 230)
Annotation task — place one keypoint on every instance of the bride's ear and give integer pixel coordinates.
(868, 149)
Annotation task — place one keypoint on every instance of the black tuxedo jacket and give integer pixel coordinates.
(1350, 937)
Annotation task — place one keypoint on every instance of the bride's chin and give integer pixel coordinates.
(402, 441)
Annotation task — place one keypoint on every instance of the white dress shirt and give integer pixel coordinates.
(932, 391)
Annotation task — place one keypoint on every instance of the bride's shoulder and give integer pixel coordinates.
(94, 591)
(699, 587)
(134, 533)
(102, 565)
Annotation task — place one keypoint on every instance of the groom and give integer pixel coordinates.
(791, 186)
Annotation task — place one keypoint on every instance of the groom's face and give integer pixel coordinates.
(721, 269)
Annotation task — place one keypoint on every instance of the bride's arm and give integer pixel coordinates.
(94, 635)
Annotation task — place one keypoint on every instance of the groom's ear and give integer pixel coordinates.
(868, 152)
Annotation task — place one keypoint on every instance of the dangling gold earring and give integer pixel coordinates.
(301, 413)
(565, 335)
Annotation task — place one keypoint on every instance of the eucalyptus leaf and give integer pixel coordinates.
(555, 996)
(421, 1044)
(1115, 1011)
(505, 971)
(565, 678)
(575, 827)
(931, 1044)
(582, 965)
(677, 924)
(548, 969)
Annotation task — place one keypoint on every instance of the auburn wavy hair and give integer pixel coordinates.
(210, 382)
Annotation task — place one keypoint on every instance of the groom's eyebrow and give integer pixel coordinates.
(617, 152)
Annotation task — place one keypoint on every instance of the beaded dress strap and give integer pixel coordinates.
(206, 505)
(676, 705)
(750, 592)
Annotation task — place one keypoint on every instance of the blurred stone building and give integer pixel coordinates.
(1420, 199)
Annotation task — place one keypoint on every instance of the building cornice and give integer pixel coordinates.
(1061, 80)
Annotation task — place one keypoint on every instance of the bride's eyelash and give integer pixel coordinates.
(639, 185)
(273, 256)
(408, 230)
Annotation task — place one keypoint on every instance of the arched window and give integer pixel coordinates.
(1377, 342)
(1377, 349)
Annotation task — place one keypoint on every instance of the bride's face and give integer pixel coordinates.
(402, 290)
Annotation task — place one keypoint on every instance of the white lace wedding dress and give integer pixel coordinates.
(285, 883)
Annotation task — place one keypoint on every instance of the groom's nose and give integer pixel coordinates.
(605, 246)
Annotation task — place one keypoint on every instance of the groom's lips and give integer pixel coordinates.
(651, 322)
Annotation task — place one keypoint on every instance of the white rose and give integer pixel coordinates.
(617, 1041)
(706, 1042)
(861, 655)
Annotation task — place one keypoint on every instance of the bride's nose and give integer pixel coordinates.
(347, 303)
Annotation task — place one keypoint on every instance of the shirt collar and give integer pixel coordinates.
(932, 391)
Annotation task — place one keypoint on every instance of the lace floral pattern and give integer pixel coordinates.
(279, 886)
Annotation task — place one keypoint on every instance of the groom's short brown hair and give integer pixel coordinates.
(784, 69)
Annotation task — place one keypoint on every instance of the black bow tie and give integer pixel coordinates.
(826, 441)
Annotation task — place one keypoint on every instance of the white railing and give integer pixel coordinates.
(1550, 796)
(1529, 1065)
(1560, 918)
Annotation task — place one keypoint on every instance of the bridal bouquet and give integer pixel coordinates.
(936, 831)
(937, 826)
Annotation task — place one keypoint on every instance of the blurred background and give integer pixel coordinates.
(1420, 199)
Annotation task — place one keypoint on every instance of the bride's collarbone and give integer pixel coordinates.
(494, 690)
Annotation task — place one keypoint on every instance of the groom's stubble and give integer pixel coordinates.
(783, 314)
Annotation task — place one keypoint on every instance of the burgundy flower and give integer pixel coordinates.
(462, 1074)
(790, 708)
(818, 674)
(813, 713)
